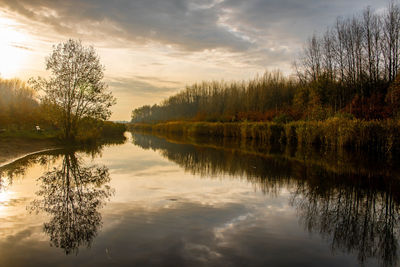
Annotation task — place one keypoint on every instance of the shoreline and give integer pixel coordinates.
(16, 148)
(11, 161)
(12, 149)
(334, 134)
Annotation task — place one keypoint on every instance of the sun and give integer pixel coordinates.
(13, 50)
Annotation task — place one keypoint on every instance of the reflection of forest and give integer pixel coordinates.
(71, 193)
(355, 208)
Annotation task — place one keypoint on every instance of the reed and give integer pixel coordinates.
(332, 134)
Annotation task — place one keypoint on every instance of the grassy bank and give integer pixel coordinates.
(92, 131)
(29, 134)
(333, 134)
(89, 132)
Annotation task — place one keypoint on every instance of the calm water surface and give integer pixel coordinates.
(154, 202)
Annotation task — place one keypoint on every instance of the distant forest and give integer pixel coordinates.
(351, 70)
(19, 107)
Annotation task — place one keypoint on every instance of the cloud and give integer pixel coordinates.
(279, 28)
(290, 17)
(23, 47)
(156, 79)
(140, 85)
(185, 24)
(266, 32)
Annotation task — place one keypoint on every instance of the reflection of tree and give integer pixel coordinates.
(357, 212)
(268, 174)
(18, 168)
(361, 217)
(72, 195)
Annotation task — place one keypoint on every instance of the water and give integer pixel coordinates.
(154, 202)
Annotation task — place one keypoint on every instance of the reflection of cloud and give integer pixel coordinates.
(13, 202)
(178, 233)
(230, 225)
(200, 253)
(154, 173)
(184, 234)
(145, 164)
(20, 236)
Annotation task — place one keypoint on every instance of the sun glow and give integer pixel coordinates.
(13, 49)
(5, 197)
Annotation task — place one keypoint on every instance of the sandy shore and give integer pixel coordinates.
(11, 148)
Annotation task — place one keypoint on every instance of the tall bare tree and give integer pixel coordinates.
(391, 30)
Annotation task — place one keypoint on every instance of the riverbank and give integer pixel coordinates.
(332, 134)
(16, 143)
(14, 147)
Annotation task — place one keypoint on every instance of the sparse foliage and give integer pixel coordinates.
(75, 89)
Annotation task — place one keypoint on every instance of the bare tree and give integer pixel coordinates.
(312, 58)
(391, 31)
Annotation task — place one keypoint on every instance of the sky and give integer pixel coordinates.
(151, 49)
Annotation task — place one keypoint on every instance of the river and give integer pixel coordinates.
(152, 201)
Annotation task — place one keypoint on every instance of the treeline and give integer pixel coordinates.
(226, 101)
(351, 68)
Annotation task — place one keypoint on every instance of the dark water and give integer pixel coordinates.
(154, 202)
